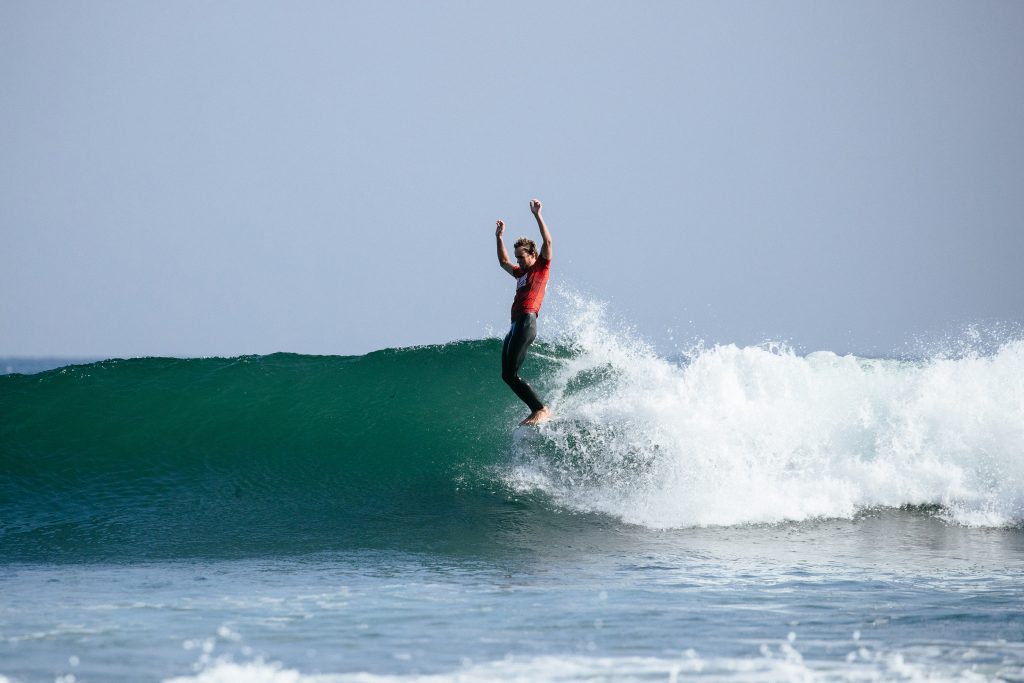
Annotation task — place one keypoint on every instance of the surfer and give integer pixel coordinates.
(531, 275)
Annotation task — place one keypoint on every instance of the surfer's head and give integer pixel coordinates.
(526, 252)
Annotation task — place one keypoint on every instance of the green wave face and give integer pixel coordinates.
(283, 453)
(415, 448)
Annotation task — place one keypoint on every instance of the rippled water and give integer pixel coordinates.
(890, 595)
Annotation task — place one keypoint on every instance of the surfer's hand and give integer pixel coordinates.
(535, 206)
(501, 228)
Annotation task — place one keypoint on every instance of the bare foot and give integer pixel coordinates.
(537, 416)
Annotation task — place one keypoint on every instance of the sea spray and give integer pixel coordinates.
(759, 434)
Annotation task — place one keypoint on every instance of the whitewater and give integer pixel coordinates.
(725, 513)
(759, 435)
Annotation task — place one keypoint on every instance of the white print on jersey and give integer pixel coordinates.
(521, 282)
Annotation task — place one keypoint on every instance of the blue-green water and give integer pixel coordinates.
(746, 515)
(898, 595)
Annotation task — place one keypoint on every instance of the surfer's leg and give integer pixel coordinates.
(513, 353)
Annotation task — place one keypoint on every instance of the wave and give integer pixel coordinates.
(296, 453)
(278, 453)
(759, 434)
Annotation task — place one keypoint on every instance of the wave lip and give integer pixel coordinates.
(762, 435)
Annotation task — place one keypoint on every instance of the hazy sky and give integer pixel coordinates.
(219, 178)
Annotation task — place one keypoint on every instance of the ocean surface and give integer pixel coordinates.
(731, 514)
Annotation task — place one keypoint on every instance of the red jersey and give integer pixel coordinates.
(530, 286)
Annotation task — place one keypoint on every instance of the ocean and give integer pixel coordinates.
(728, 514)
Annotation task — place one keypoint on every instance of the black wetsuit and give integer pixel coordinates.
(513, 352)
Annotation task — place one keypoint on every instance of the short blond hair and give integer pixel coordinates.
(530, 245)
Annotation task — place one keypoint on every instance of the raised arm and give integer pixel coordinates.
(545, 248)
(503, 261)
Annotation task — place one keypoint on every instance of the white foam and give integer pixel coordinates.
(783, 663)
(759, 434)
